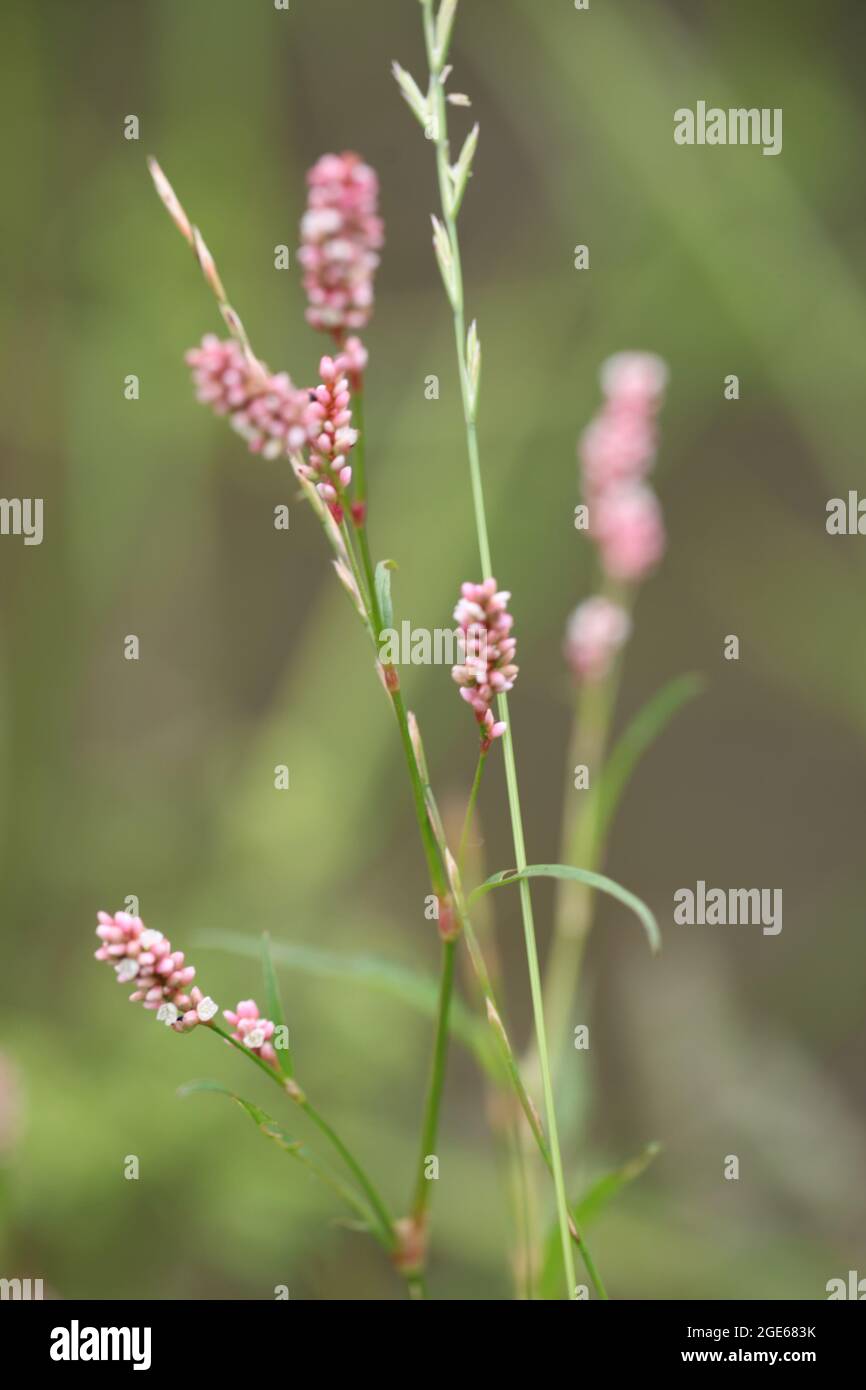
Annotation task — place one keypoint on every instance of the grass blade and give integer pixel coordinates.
(418, 991)
(638, 737)
(585, 876)
(586, 1209)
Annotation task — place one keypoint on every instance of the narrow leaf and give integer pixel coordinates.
(639, 736)
(586, 876)
(590, 1204)
(607, 1186)
(274, 1004)
(293, 1147)
(418, 991)
(429, 799)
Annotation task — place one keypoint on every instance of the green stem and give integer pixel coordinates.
(591, 1268)
(470, 810)
(381, 1211)
(437, 869)
(433, 854)
(432, 1107)
(366, 587)
(359, 457)
(520, 1198)
(443, 169)
(575, 902)
(435, 864)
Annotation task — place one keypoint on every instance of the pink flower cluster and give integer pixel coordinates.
(277, 418)
(616, 452)
(596, 630)
(341, 235)
(329, 426)
(267, 410)
(487, 668)
(160, 976)
(252, 1030)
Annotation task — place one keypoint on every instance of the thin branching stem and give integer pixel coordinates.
(433, 1104)
(294, 1091)
(443, 165)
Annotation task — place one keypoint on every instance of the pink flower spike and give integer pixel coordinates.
(627, 523)
(487, 667)
(616, 451)
(159, 973)
(329, 421)
(596, 631)
(636, 379)
(353, 361)
(341, 234)
(267, 410)
(252, 1030)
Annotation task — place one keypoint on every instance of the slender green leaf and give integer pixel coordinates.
(420, 992)
(274, 1004)
(639, 736)
(602, 1191)
(609, 1184)
(383, 591)
(586, 876)
(293, 1147)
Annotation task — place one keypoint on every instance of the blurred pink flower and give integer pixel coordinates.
(487, 668)
(267, 410)
(617, 447)
(596, 630)
(635, 379)
(220, 374)
(627, 523)
(161, 977)
(353, 361)
(341, 235)
(616, 451)
(252, 1030)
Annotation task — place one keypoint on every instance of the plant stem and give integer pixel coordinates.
(435, 864)
(360, 475)
(295, 1093)
(574, 901)
(430, 1125)
(437, 95)
(437, 869)
(590, 1267)
(365, 585)
(470, 811)
(384, 1217)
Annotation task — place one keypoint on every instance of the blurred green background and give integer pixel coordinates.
(155, 778)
